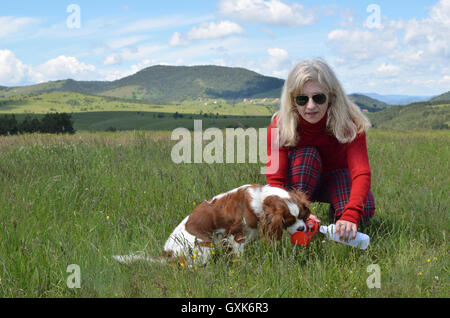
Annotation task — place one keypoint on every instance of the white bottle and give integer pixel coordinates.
(361, 240)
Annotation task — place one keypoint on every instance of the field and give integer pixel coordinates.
(70, 102)
(82, 198)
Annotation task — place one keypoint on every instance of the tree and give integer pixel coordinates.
(8, 125)
(57, 123)
(30, 125)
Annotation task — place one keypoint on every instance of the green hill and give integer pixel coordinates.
(72, 102)
(369, 103)
(177, 83)
(422, 115)
(169, 84)
(441, 98)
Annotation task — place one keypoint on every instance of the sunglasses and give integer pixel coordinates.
(302, 100)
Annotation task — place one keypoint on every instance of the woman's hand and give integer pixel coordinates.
(314, 218)
(343, 229)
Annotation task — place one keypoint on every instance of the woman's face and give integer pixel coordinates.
(312, 112)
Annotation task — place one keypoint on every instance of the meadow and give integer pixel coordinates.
(79, 199)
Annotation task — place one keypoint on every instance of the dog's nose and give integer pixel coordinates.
(301, 228)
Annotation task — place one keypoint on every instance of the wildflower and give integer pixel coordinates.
(428, 260)
(436, 277)
(194, 256)
(435, 258)
(419, 274)
(194, 204)
(213, 253)
(196, 252)
(107, 217)
(182, 264)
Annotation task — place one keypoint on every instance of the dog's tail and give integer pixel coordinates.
(132, 258)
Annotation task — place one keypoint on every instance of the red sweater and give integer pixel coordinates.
(334, 155)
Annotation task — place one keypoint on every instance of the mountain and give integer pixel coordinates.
(54, 86)
(441, 98)
(163, 83)
(421, 115)
(366, 102)
(397, 99)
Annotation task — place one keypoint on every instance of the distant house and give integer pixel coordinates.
(365, 111)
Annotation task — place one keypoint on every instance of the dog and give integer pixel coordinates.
(233, 217)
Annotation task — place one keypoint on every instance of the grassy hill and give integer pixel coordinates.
(169, 84)
(441, 98)
(177, 83)
(421, 115)
(369, 103)
(72, 102)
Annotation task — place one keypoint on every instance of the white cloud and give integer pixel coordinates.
(141, 52)
(413, 42)
(272, 12)
(12, 70)
(11, 25)
(388, 70)
(411, 51)
(363, 45)
(63, 67)
(112, 59)
(440, 13)
(206, 31)
(123, 42)
(213, 30)
(278, 64)
(178, 40)
(158, 23)
(445, 79)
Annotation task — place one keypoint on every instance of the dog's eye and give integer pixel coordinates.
(289, 221)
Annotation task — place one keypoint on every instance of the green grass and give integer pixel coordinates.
(82, 198)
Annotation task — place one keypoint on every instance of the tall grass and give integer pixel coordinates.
(81, 199)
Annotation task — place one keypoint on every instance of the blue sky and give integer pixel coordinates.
(387, 47)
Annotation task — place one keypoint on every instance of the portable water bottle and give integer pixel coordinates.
(303, 238)
(360, 241)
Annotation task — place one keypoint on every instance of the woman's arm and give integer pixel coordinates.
(358, 164)
(277, 160)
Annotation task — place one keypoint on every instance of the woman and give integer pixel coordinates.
(322, 146)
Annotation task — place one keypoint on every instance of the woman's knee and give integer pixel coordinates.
(305, 167)
(307, 157)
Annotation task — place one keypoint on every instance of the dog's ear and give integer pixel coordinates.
(272, 221)
(303, 203)
(272, 226)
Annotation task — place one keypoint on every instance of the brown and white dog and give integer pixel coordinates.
(233, 216)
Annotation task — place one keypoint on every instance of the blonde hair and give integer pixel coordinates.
(345, 119)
